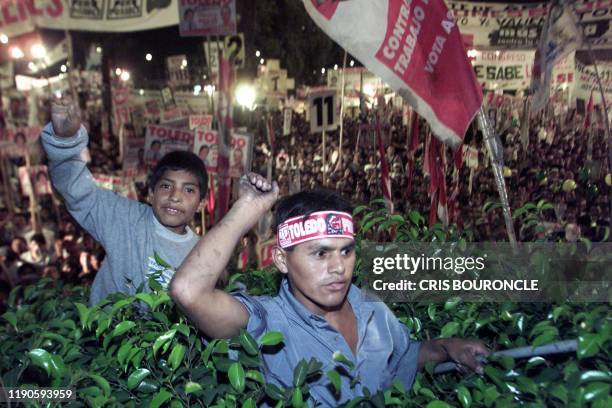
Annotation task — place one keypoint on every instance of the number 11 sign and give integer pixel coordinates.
(322, 107)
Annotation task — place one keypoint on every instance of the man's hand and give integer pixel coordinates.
(256, 191)
(65, 118)
(465, 353)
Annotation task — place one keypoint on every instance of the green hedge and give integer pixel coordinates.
(118, 354)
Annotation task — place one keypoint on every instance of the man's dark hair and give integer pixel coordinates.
(181, 160)
(39, 239)
(307, 202)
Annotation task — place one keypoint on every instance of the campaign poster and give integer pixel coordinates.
(206, 147)
(17, 141)
(133, 147)
(161, 140)
(38, 177)
(207, 17)
(505, 70)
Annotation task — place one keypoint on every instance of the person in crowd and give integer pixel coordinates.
(37, 253)
(318, 310)
(140, 240)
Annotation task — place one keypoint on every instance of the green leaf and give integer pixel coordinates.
(271, 339)
(236, 377)
(176, 356)
(299, 373)
(147, 298)
(191, 387)
(596, 390)
(464, 396)
(527, 385)
(592, 375)
(588, 345)
(544, 338)
(249, 403)
(248, 343)
(431, 312)
(334, 377)
(451, 303)
(124, 351)
(449, 329)
(338, 357)
(275, 392)
(11, 318)
(136, 377)
(123, 327)
(534, 362)
(162, 396)
(102, 383)
(255, 376)
(297, 399)
(41, 358)
(163, 340)
(161, 262)
(559, 392)
(438, 404)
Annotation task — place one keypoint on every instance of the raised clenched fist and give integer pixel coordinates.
(65, 118)
(258, 191)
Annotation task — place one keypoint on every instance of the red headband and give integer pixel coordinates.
(321, 224)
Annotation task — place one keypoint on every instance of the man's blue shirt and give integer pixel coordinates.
(384, 350)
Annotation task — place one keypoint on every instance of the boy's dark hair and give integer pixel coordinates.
(39, 239)
(307, 202)
(181, 160)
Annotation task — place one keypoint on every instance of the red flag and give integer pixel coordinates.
(416, 48)
(384, 169)
(210, 200)
(226, 79)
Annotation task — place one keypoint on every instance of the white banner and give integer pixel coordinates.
(178, 74)
(519, 25)
(505, 70)
(19, 17)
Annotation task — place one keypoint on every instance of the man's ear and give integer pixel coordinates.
(149, 197)
(279, 256)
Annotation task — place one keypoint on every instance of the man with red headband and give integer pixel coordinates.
(317, 309)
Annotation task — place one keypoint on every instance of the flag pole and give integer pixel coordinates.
(605, 108)
(342, 112)
(324, 159)
(491, 144)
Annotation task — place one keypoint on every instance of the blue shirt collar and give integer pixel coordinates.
(361, 308)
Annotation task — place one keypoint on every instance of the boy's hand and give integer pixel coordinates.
(65, 118)
(257, 191)
(466, 353)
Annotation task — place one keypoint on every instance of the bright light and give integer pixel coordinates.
(99, 50)
(322, 71)
(32, 66)
(209, 89)
(497, 53)
(125, 76)
(369, 90)
(118, 71)
(141, 92)
(472, 53)
(245, 96)
(38, 51)
(197, 89)
(63, 68)
(261, 61)
(257, 54)
(3, 38)
(184, 63)
(148, 57)
(335, 67)
(16, 52)
(58, 94)
(352, 63)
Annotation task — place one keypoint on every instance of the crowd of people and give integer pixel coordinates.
(559, 163)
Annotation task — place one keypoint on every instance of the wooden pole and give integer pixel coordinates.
(324, 159)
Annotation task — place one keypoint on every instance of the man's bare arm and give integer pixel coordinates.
(212, 310)
(461, 351)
